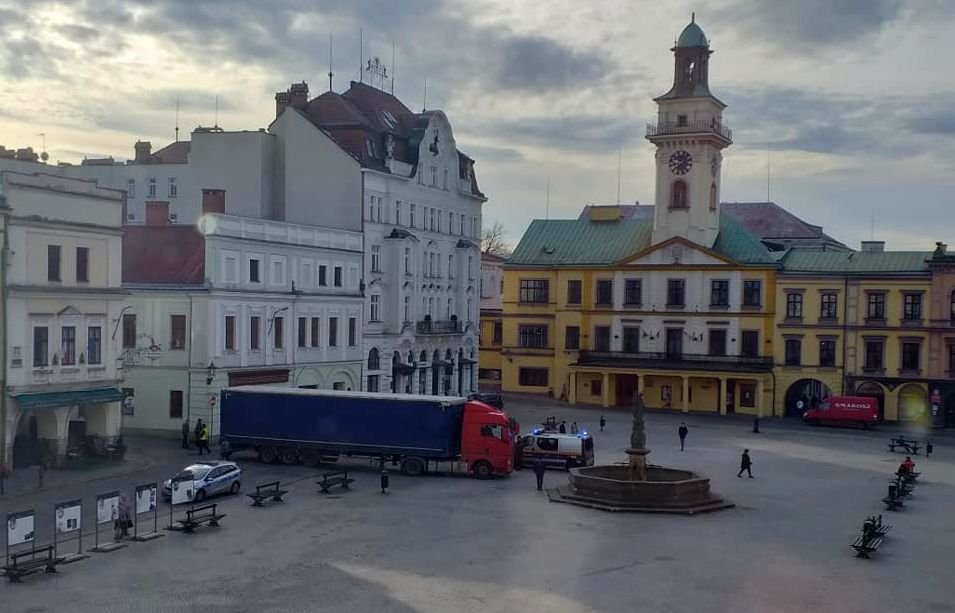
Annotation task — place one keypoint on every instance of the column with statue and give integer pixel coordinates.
(638, 440)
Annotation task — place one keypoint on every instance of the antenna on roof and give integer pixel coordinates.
(330, 73)
(177, 119)
(424, 105)
(217, 112)
(361, 54)
(693, 17)
(392, 67)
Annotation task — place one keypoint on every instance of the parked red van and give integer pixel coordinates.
(844, 411)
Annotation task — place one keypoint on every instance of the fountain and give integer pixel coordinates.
(638, 486)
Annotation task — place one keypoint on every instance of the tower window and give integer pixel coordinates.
(681, 120)
(713, 196)
(678, 195)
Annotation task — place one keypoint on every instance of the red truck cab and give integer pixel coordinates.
(844, 411)
(487, 443)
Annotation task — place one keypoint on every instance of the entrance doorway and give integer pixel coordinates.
(805, 394)
(625, 387)
(950, 410)
(871, 389)
(26, 444)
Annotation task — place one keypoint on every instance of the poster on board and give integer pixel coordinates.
(181, 491)
(107, 507)
(19, 528)
(68, 516)
(146, 498)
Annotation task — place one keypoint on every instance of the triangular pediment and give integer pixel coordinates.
(69, 311)
(677, 252)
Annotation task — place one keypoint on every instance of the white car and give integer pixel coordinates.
(208, 478)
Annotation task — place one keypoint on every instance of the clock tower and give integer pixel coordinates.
(689, 136)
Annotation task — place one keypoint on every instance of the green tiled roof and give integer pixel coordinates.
(855, 262)
(582, 242)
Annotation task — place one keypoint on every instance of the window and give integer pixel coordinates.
(604, 292)
(255, 331)
(407, 260)
(94, 345)
(407, 308)
(876, 307)
(278, 338)
(230, 332)
(596, 387)
(411, 209)
(533, 377)
(951, 314)
(631, 339)
(951, 359)
(676, 293)
(632, 292)
(498, 333)
(445, 178)
(719, 293)
(129, 331)
(470, 310)
(572, 338)
(827, 353)
(82, 264)
(793, 352)
(152, 188)
(230, 269)
(175, 404)
(462, 225)
(912, 307)
(398, 212)
(53, 262)
(303, 332)
(830, 306)
(316, 331)
(450, 222)
(874, 350)
(322, 275)
(376, 258)
(373, 383)
(333, 332)
(678, 195)
(534, 291)
(470, 267)
(674, 343)
(749, 344)
(254, 271)
(352, 332)
(431, 218)
(450, 307)
(434, 178)
(752, 293)
(41, 346)
(375, 308)
(681, 120)
(451, 266)
(278, 272)
(173, 187)
(532, 335)
(177, 331)
(338, 276)
(68, 345)
(793, 306)
(602, 338)
(717, 342)
(911, 356)
(573, 291)
(712, 196)
(131, 188)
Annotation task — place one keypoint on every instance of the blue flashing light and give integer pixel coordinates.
(582, 434)
(537, 430)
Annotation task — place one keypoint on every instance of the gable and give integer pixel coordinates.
(677, 252)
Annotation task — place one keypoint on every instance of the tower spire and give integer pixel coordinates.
(330, 73)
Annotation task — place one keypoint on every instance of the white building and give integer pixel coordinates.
(63, 276)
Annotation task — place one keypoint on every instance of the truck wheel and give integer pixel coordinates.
(289, 455)
(413, 467)
(268, 454)
(571, 464)
(482, 470)
(311, 457)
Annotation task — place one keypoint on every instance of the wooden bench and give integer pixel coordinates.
(875, 527)
(338, 478)
(864, 545)
(904, 489)
(893, 503)
(909, 446)
(909, 477)
(39, 559)
(267, 490)
(196, 516)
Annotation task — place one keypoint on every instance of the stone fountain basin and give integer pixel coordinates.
(664, 487)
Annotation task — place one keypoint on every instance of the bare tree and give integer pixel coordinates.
(492, 241)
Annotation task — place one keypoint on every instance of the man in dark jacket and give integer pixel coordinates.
(539, 470)
(683, 432)
(562, 428)
(185, 434)
(745, 464)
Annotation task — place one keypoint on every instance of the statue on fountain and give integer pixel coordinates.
(638, 440)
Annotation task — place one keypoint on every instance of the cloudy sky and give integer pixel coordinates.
(852, 101)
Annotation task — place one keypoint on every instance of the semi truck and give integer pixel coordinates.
(420, 433)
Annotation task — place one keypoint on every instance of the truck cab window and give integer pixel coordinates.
(547, 444)
(494, 431)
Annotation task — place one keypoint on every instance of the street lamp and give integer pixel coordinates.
(210, 373)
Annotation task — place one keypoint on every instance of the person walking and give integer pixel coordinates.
(603, 422)
(745, 464)
(197, 432)
(539, 470)
(573, 427)
(683, 432)
(185, 434)
(563, 427)
(124, 519)
(204, 440)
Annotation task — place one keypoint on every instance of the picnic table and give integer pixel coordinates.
(910, 446)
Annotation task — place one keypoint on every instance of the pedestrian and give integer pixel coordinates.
(563, 427)
(539, 470)
(41, 473)
(204, 440)
(573, 427)
(928, 448)
(746, 463)
(124, 520)
(603, 422)
(907, 467)
(185, 434)
(198, 432)
(683, 432)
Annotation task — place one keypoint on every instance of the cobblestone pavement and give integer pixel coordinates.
(456, 544)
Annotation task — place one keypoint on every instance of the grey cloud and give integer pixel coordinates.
(80, 33)
(574, 132)
(493, 154)
(536, 63)
(934, 117)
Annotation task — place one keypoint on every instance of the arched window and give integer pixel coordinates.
(679, 198)
(374, 360)
(713, 197)
(952, 308)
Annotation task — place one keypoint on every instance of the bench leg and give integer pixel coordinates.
(256, 502)
(277, 498)
(214, 523)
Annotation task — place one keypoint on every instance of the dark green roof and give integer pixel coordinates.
(692, 36)
(43, 400)
(581, 242)
(855, 262)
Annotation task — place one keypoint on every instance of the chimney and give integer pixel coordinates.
(143, 149)
(282, 100)
(298, 93)
(873, 246)
(213, 201)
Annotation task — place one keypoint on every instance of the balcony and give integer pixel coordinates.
(671, 128)
(435, 326)
(675, 361)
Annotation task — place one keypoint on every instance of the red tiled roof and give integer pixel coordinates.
(163, 254)
(173, 153)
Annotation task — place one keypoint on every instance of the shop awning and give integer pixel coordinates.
(45, 400)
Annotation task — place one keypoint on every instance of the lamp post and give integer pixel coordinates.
(210, 372)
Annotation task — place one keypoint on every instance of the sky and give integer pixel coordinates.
(847, 106)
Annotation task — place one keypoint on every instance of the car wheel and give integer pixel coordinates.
(200, 496)
(289, 455)
(235, 487)
(482, 470)
(571, 464)
(413, 467)
(268, 454)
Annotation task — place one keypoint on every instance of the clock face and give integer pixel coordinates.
(714, 165)
(681, 162)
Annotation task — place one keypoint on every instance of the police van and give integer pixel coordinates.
(557, 450)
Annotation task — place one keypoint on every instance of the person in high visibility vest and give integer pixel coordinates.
(204, 440)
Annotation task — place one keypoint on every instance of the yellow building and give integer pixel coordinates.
(492, 285)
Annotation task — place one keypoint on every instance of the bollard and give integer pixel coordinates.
(384, 481)
(893, 490)
(756, 424)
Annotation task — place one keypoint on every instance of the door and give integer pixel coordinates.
(625, 387)
(674, 347)
(950, 411)
(730, 396)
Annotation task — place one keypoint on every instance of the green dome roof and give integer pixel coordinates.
(692, 36)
